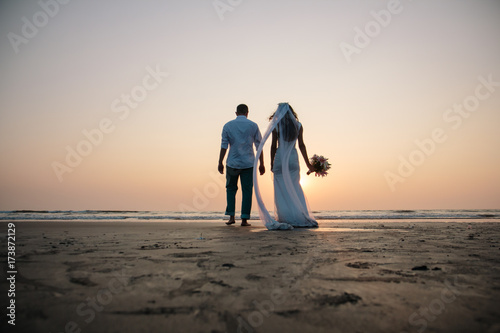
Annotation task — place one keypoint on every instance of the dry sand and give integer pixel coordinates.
(350, 276)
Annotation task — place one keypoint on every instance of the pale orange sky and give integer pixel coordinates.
(364, 111)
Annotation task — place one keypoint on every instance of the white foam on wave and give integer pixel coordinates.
(30, 215)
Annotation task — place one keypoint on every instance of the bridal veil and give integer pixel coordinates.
(288, 128)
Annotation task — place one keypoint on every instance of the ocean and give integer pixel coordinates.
(112, 215)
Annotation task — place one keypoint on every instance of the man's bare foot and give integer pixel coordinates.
(231, 221)
(244, 223)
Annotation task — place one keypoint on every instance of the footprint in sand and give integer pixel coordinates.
(338, 299)
(360, 265)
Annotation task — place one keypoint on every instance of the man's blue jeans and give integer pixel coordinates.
(232, 176)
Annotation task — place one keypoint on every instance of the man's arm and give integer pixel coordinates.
(221, 159)
(223, 149)
(262, 168)
(257, 139)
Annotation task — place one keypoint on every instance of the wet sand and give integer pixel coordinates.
(348, 276)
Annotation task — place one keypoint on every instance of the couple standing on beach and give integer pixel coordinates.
(240, 135)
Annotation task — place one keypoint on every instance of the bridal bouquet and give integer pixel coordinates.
(320, 165)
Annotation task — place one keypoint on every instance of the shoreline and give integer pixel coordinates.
(199, 276)
(258, 222)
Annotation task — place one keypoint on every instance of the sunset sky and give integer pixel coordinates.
(403, 97)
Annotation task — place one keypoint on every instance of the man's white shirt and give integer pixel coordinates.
(239, 135)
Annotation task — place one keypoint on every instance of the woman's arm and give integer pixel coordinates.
(303, 150)
(274, 146)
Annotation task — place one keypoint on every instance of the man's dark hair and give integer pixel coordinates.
(242, 109)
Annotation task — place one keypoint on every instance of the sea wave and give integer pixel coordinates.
(129, 215)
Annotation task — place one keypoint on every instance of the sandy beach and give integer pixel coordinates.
(348, 276)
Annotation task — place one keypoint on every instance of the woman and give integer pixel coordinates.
(290, 203)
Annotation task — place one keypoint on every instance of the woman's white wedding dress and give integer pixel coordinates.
(291, 208)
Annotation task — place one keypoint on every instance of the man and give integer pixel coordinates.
(240, 134)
